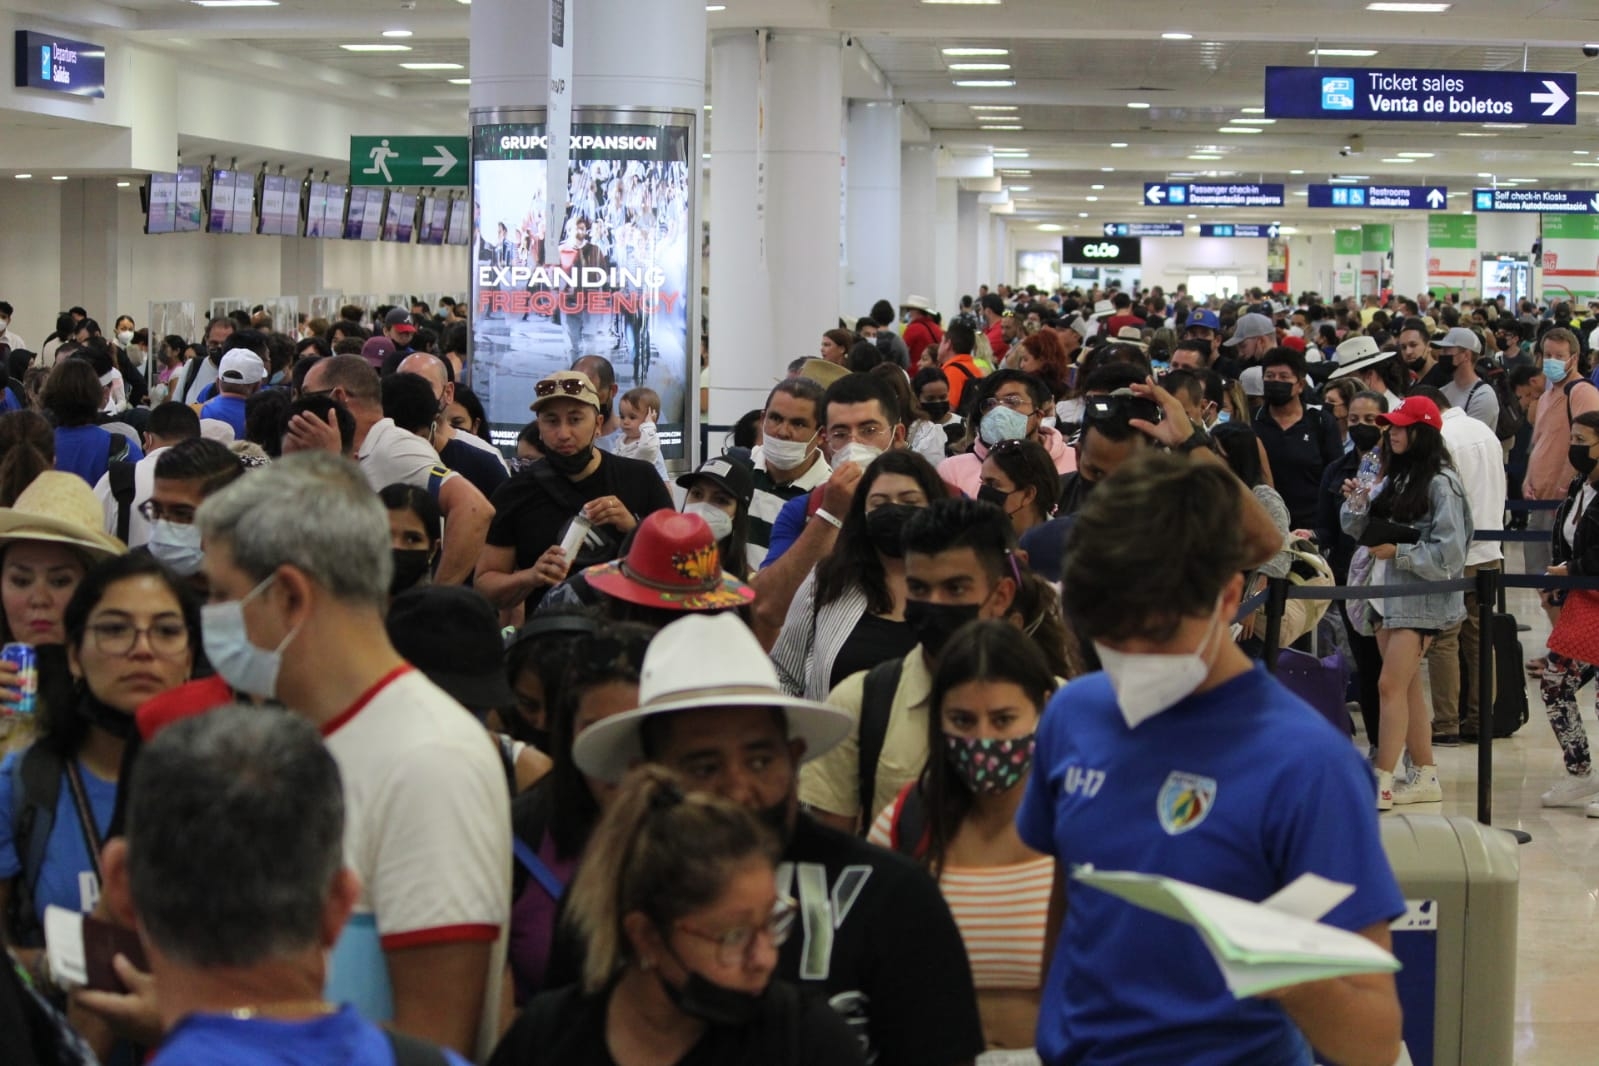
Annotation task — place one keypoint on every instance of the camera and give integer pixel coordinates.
(1121, 407)
(1591, 50)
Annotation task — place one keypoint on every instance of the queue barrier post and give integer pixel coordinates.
(1489, 592)
(1276, 607)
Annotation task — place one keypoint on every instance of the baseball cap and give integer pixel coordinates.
(735, 478)
(1253, 379)
(1249, 327)
(241, 367)
(1414, 409)
(1461, 337)
(1203, 316)
(399, 319)
(565, 385)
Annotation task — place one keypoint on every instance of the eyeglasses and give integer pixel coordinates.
(1015, 403)
(167, 637)
(178, 516)
(569, 386)
(734, 946)
(869, 433)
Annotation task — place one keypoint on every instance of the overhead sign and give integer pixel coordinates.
(1193, 194)
(1145, 229)
(1353, 94)
(1123, 251)
(59, 65)
(1539, 201)
(393, 161)
(1382, 197)
(1267, 230)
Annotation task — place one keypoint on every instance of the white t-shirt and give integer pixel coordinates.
(143, 486)
(389, 455)
(427, 828)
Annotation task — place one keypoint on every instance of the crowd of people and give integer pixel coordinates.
(365, 743)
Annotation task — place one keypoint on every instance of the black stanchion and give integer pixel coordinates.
(1487, 593)
(1276, 605)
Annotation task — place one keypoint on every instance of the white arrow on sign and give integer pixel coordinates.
(1156, 194)
(1436, 198)
(1595, 202)
(1272, 230)
(1110, 229)
(445, 161)
(1556, 98)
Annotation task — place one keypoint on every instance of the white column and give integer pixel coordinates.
(89, 260)
(946, 246)
(970, 233)
(918, 221)
(873, 250)
(1410, 258)
(766, 314)
(1001, 269)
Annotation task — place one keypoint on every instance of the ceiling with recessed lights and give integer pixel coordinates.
(1099, 97)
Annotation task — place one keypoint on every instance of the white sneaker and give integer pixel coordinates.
(1385, 790)
(1423, 787)
(1592, 810)
(1574, 791)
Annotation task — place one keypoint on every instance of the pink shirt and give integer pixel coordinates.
(1549, 474)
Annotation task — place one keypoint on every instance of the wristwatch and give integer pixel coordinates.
(1196, 440)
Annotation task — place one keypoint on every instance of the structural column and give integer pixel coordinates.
(1410, 258)
(873, 247)
(768, 310)
(918, 220)
(89, 248)
(946, 246)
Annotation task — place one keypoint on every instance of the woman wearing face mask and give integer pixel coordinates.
(922, 436)
(1420, 491)
(414, 523)
(959, 819)
(1020, 479)
(849, 613)
(1184, 759)
(1574, 643)
(720, 492)
(1010, 405)
(678, 908)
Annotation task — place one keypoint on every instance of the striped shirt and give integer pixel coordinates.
(769, 500)
(1001, 912)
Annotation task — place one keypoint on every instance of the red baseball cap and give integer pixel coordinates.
(1414, 409)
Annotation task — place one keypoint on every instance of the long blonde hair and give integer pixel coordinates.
(661, 851)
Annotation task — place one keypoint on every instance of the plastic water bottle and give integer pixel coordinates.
(1365, 479)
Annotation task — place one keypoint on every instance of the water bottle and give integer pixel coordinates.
(1365, 479)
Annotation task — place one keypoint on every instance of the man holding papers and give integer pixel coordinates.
(1186, 762)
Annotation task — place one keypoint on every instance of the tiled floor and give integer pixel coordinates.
(1557, 1021)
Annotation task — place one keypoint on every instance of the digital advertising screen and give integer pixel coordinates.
(620, 285)
(459, 231)
(280, 206)
(161, 203)
(221, 217)
(333, 216)
(355, 213)
(316, 209)
(434, 221)
(399, 220)
(243, 220)
(190, 214)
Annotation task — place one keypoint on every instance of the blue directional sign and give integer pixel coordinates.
(59, 65)
(1539, 201)
(1353, 94)
(1396, 197)
(1145, 229)
(1239, 229)
(1195, 194)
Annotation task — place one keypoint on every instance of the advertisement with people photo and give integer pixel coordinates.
(619, 284)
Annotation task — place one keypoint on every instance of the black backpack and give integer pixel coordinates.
(120, 473)
(968, 404)
(35, 789)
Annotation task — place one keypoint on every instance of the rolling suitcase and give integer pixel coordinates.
(1510, 686)
(1320, 682)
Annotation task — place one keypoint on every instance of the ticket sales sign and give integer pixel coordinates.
(1395, 197)
(1537, 201)
(1421, 95)
(1194, 194)
(59, 65)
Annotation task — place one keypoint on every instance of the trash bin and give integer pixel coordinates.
(1457, 940)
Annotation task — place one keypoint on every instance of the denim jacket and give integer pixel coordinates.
(1440, 555)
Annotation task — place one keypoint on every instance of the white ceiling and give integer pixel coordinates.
(1077, 65)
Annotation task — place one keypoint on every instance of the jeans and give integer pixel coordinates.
(1454, 651)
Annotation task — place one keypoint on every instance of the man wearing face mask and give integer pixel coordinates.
(875, 937)
(298, 597)
(202, 372)
(124, 497)
(1549, 470)
(1183, 759)
(1300, 439)
(1416, 352)
(789, 461)
(8, 336)
(960, 566)
(186, 475)
(1458, 351)
(1253, 336)
(1010, 406)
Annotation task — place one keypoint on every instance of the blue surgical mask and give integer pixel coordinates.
(1555, 370)
(242, 665)
(177, 547)
(1002, 424)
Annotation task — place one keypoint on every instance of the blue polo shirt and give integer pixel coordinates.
(1240, 789)
(343, 1037)
(229, 409)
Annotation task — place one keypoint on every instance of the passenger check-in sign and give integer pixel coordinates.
(1421, 95)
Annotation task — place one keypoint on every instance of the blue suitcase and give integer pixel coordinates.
(1320, 682)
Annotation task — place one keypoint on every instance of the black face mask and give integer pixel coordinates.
(119, 724)
(570, 465)
(1581, 459)
(937, 410)
(884, 526)
(1279, 393)
(935, 623)
(989, 494)
(700, 997)
(214, 351)
(411, 565)
(1365, 437)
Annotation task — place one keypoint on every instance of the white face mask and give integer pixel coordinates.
(1147, 684)
(785, 454)
(177, 546)
(125, 337)
(855, 452)
(4, 322)
(720, 521)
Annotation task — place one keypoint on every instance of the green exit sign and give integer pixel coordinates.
(409, 161)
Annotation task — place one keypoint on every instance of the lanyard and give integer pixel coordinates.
(91, 832)
(536, 866)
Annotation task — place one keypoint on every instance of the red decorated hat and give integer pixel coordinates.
(673, 563)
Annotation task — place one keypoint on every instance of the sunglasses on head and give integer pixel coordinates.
(570, 386)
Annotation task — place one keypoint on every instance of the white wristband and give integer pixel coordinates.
(827, 516)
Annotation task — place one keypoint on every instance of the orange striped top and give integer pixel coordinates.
(1001, 912)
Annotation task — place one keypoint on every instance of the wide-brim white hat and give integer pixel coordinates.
(698, 663)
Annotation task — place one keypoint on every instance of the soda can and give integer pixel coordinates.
(26, 660)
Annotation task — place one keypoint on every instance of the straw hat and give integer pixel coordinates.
(59, 508)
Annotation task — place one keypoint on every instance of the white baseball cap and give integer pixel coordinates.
(241, 367)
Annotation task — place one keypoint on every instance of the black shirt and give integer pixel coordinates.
(476, 465)
(1299, 455)
(567, 1027)
(532, 509)
(875, 640)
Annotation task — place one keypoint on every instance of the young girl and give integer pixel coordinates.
(638, 411)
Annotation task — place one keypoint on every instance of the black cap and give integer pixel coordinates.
(452, 634)
(732, 474)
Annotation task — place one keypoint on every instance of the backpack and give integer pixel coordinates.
(877, 705)
(908, 835)
(35, 789)
(120, 472)
(1511, 417)
(968, 402)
